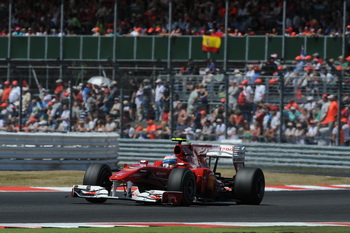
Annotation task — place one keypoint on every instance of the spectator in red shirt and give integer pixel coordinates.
(6, 92)
(291, 103)
(59, 88)
(151, 129)
(329, 122)
(332, 113)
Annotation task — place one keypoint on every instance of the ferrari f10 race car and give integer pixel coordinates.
(188, 176)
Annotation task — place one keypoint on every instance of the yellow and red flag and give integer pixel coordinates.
(211, 43)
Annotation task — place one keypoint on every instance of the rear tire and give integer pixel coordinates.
(98, 174)
(249, 187)
(183, 180)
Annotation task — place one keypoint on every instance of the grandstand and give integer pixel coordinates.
(131, 41)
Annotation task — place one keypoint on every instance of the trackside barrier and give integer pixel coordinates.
(288, 157)
(74, 151)
(57, 151)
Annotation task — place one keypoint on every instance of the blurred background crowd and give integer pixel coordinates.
(141, 17)
(200, 109)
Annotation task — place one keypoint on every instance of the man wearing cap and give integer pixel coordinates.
(291, 103)
(192, 100)
(249, 94)
(42, 126)
(59, 89)
(242, 101)
(299, 134)
(248, 91)
(159, 99)
(17, 32)
(26, 98)
(147, 99)
(138, 103)
(4, 116)
(332, 112)
(64, 118)
(327, 124)
(220, 130)
(136, 31)
(327, 77)
(259, 93)
(151, 129)
(85, 90)
(310, 105)
(271, 65)
(15, 92)
(289, 133)
(324, 107)
(110, 126)
(96, 31)
(344, 133)
(115, 110)
(238, 76)
(299, 67)
(293, 114)
(233, 92)
(6, 92)
(250, 73)
(346, 130)
(312, 133)
(114, 92)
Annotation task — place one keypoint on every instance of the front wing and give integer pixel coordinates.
(151, 196)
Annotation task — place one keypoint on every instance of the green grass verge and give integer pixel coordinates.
(70, 178)
(337, 229)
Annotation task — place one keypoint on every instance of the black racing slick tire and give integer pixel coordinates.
(183, 180)
(249, 186)
(98, 174)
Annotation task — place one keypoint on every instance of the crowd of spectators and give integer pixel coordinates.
(144, 17)
(309, 117)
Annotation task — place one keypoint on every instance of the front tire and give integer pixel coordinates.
(249, 187)
(98, 174)
(183, 180)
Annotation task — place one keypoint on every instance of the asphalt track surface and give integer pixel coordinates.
(284, 206)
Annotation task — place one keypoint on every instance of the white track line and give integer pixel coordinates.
(268, 188)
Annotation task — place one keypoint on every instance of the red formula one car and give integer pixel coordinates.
(188, 176)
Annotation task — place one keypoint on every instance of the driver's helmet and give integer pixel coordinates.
(169, 161)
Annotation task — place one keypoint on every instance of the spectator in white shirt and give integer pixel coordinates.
(220, 130)
(275, 120)
(15, 92)
(289, 133)
(159, 99)
(138, 103)
(259, 94)
(64, 118)
(110, 126)
(232, 132)
(312, 133)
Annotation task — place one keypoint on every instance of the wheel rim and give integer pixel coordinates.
(260, 187)
(190, 188)
(105, 179)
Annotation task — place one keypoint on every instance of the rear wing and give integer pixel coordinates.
(226, 151)
(234, 152)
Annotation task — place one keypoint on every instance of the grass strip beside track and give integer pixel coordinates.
(182, 230)
(70, 178)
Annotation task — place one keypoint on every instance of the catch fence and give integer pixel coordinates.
(41, 81)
